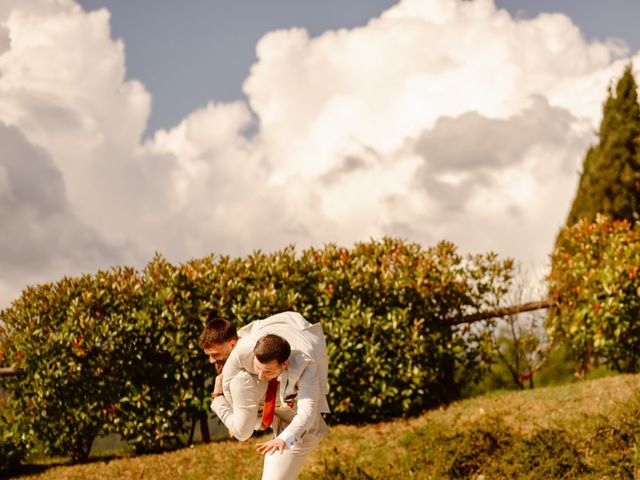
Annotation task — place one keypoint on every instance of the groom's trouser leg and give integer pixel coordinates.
(287, 465)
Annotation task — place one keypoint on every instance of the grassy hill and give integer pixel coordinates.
(587, 430)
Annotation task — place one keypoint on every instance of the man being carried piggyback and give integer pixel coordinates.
(274, 375)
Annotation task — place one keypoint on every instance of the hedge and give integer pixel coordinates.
(117, 351)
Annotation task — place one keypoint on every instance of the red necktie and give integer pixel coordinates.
(269, 404)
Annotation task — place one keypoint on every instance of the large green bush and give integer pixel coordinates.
(117, 351)
(595, 287)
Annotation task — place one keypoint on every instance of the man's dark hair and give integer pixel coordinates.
(217, 331)
(272, 347)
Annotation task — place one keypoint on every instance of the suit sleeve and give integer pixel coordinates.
(240, 412)
(308, 407)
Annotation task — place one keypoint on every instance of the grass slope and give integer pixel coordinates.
(587, 430)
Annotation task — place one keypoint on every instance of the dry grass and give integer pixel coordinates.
(505, 435)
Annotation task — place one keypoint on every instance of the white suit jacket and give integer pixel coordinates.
(304, 381)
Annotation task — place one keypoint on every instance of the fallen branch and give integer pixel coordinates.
(502, 311)
(7, 372)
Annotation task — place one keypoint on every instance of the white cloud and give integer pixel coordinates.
(441, 119)
(40, 236)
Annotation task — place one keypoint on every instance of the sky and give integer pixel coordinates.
(129, 128)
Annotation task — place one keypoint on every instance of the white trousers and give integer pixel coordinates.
(287, 465)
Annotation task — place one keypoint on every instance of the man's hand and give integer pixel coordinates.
(272, 446)
(217, 389)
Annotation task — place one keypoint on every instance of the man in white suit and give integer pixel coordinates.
(289, 353)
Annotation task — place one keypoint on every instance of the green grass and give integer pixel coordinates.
(586, 430)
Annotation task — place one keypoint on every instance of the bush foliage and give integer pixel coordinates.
(117, 351)
(14, 444)
(595, 287)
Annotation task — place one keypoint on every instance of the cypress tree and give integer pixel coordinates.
(610, 179)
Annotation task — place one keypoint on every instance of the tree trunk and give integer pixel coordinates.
(204, 427)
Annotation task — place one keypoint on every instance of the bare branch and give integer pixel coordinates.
(7, 372)
(502, 312)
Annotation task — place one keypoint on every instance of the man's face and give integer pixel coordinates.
(219, 352)
(269, 370)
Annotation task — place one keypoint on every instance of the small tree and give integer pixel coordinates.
(521, 343)
(522, 347)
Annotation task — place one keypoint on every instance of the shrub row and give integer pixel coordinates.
(117, 351)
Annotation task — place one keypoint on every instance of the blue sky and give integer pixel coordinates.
(187, 53)
(191, 52)
(134, 127)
